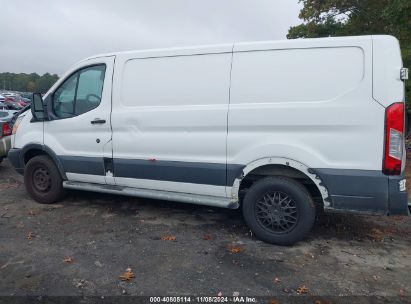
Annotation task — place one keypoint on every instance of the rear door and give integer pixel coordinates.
(79, 132)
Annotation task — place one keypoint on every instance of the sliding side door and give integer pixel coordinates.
(169, 122)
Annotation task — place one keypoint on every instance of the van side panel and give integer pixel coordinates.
(296, 75)
(169, 122)
(311, 103)
(388, 86)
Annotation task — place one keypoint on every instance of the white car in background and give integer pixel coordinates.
(6, 115)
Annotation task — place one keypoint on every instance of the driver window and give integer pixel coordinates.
(63, 100)
(89, 89)
(80, 93)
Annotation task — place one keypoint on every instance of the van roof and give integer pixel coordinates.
(243, 46)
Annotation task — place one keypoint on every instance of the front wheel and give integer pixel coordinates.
(279, 210)
(43, 180)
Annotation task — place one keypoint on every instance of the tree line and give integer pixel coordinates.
(325, 18)
(27, 82)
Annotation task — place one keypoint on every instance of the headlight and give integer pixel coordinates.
(16, 124)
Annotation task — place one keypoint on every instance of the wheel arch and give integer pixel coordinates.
(31, 150)
(278, 166)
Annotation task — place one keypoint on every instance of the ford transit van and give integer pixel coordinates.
(275, 128)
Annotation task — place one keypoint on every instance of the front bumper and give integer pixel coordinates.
(15, 157)
(5, 144)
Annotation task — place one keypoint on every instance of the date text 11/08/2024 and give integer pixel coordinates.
(202, 299)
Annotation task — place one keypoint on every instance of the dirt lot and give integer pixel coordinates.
(82, 245)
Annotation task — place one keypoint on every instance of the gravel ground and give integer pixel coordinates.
(83, 245)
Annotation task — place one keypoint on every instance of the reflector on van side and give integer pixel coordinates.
(404, 74)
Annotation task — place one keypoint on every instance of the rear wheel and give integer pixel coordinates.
(279, 210)
(43, 180)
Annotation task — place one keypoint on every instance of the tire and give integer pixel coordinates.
(284, 223)
(43, 180)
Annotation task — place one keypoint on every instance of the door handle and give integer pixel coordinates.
(98, 121)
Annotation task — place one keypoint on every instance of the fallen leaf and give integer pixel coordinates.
(127, 275)
(375, 277)
(11, 184)
(168, 238)
(286, 290)
(380, 234)
(32, 212)
(207, 237)
(277, 280)
(235, 249)
(30, 235)
(302, 290)
(398, 218)
(274, 301)
(68, 260)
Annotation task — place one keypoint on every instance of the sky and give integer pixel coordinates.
(51, 35)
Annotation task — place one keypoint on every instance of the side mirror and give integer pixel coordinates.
(37, 107)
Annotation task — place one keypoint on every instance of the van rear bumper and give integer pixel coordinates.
(398, 200)
(364, 191)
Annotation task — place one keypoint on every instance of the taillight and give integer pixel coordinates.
(394, 139)
(6, 129)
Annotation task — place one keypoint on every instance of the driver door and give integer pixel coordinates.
(79, 131)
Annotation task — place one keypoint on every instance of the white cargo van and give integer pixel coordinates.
(271, 127)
